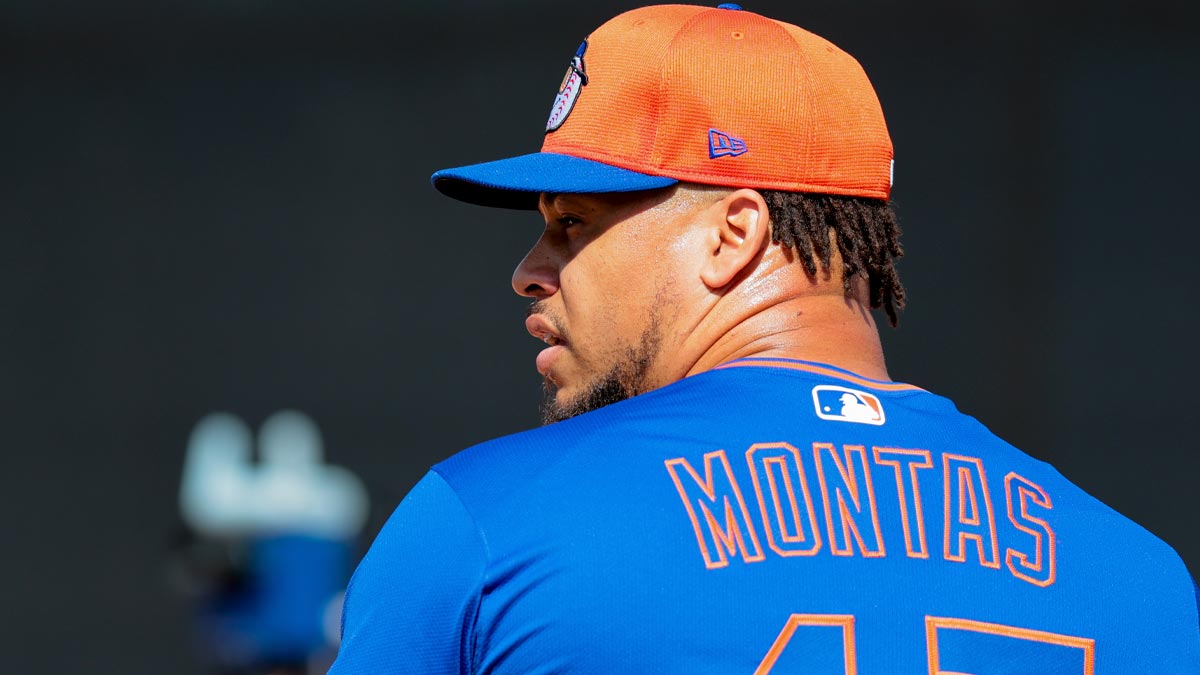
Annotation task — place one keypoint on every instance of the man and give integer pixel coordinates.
(732, 483)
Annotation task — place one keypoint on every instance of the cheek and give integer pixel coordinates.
(604, 307)
(686, 254)
(612, 289)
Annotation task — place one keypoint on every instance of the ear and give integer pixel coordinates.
(741, 229)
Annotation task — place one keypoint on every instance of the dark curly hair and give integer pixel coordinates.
(867, 235)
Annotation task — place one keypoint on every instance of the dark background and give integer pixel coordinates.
(224, 205)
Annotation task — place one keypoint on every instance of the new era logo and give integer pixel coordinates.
(847, 405)
(721, 144)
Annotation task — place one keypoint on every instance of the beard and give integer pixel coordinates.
(627, 378)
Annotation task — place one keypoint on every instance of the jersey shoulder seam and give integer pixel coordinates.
(483, 575)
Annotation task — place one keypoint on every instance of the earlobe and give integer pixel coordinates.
(741, 229)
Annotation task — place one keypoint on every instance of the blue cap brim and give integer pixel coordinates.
(515, 183)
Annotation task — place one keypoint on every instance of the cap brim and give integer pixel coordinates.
(515, 183)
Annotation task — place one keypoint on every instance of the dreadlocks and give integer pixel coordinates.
(867, 235)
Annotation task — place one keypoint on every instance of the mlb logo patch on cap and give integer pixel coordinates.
(847, 405)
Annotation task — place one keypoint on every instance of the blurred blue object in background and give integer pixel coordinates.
(283, 531)
(281, 612)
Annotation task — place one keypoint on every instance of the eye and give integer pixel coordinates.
(567, 222)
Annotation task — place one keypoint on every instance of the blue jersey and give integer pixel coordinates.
(769, 516)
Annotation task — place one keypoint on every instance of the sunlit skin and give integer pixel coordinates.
(688, 275)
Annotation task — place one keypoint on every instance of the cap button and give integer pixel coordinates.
(729, 5)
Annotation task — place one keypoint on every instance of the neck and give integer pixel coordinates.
(828, 328)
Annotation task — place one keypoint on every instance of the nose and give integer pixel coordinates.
(537, 275)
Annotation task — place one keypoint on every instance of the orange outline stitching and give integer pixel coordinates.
(849, 525)
(845, 621)
(901, 492)
(794, 507)
(960, 472)
(770, 363)
(967, 486)
(1041, 564)
(733, 539)
(933, 623)
(767, 524)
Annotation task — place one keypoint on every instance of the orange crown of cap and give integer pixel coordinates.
(725, 97)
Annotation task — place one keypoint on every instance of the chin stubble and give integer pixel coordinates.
(626, 379)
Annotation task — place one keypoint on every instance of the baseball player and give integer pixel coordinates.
(732, 483)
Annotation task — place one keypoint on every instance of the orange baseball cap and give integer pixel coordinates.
(719, 96)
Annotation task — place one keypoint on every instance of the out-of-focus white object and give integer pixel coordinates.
(290, 489)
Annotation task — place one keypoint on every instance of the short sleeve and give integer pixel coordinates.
(411, 604)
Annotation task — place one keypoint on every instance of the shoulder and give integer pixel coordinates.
(713, 406)
(506, 471)
(415, 594)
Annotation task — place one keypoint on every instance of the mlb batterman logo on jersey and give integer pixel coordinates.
(847, 405)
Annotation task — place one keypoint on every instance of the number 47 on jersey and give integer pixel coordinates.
(808, 644)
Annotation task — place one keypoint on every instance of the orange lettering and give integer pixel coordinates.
(909, 492)
(1039, 571)
(778, 465)
(844, 493)
(964, 483)
(730, 533)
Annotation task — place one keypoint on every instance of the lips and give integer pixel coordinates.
(541, 328)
